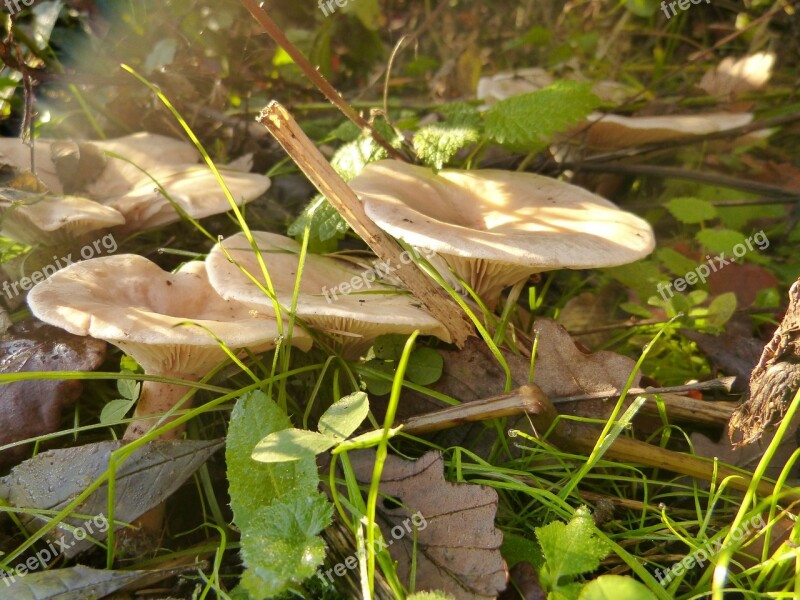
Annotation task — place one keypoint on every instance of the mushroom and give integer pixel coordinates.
(496, 228)
(193, 187)
(334, 297)
(115, 177)
(48, 220)
(168, 322)
(604, 131)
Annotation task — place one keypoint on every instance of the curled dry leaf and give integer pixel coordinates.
(458, 546)
(33, 407)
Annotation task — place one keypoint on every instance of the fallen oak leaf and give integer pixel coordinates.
(463, 561)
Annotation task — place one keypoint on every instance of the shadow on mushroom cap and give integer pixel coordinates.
(130, 302)
(366, 312)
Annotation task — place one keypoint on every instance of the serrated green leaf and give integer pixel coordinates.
(691, 210)
(115, 411)
(615, 587)
(290, 488)
(524, 123)
(720, 240)
(350, 159)
(573, 548)
(324, 222)
(292, 444)
(344, 416)
(424, 366)
(437, 144)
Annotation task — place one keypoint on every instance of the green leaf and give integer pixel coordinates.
(128, 388)
(524, 123)
(691, 210)
(115, 411)
(675, 262)
(615, 587)
(721, 309)
(292, 444)
(262, 492)
(367, 11)
(437, 144)
(571, 549)
(389, 346)
(642, 8)
(721, 240)
(324, 222)
(424, 366)
(636, 310)
(376, 386)
(344, 416)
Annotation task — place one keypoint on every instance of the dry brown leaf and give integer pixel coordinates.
(733, 77)
(33, 407)
(458, 551)
(585, 311)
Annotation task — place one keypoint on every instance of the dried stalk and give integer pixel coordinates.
(303, 151)
(322, 84)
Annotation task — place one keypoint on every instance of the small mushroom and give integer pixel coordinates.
(48, 220)
(168, 322)
(496, 228)
(193, 187)
(333, 297)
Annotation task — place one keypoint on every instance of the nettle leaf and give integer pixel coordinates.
(524, 123)
(691, 210)
(570, 549)
(277, 507)
(323, 221)
(437, 144)
(344, 416)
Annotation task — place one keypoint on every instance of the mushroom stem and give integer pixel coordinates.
(156, 399)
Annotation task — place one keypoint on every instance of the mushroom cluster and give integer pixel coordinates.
(173, 324)
(117, 186)
(496, 228)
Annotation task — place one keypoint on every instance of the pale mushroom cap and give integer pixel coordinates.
(617, 131)
(148, 151)
(193, 187)
(495, 228)
(130, 302)
(51, 221)
(362, 311)
(509, 217)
